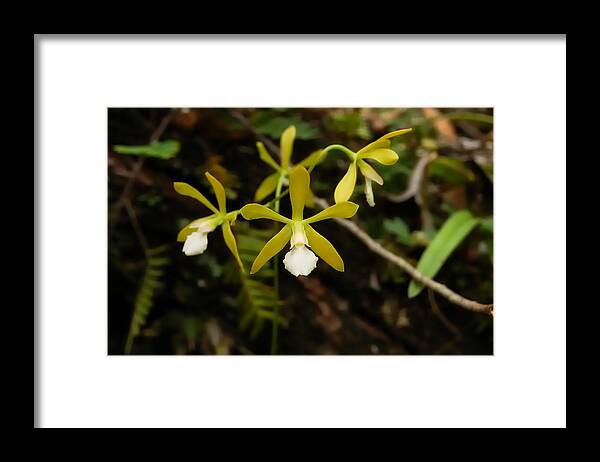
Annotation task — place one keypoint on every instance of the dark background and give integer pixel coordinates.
(202, 305)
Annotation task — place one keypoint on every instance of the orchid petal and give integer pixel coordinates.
(323, 248)
(184, 233)
(369, 192)
(265, 156)
(345, 188)
(312, 160)
(186, 190)
(384, 142)
(272, 248)
(219, 191)
(206, 223)
(299, 187)
(369, 172)
(310, 199)
(195, 244)
(268, 185)
(229, 239)
(256, 211)
(286, 145)
(383, 156)
(300, 261)
(339, 210)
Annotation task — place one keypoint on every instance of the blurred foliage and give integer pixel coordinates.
(257, 297)
(144, 300)
(204, 305)
(159, 149)
(398, 227)
(450, 235)
(273, 123)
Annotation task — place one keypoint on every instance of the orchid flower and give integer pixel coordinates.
(303, 238)
(194, 235)
(283, 169)
(379, 151)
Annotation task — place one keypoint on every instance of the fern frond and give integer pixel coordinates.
(149, 286)
(257, 297)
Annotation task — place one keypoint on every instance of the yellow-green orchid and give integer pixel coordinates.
(195, 234)
(283, 169)
(379, 151)
(300, 260)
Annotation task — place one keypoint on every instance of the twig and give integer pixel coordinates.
(136, 226)
(414, 181)
(273, 148)
(422, 200)
(441, 316)
(137, 168)
(377, 248)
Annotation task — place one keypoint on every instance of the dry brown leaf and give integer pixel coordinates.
(444, 126)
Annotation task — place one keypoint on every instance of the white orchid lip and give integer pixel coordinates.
(206, 226)
(369, 192)
(195, 243)
(300, 261)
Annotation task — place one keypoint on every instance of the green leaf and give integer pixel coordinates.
(159, 149)
(450, 169)
(350, 123)
(470, 116)
(149, 285)
(448, 238)
(399, 228)
(487, 224)
(273, 127)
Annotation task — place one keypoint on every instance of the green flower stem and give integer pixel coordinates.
(339, 147)
(277, 198)
(276, 273)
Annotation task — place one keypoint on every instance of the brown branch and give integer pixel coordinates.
(441, 316)
(273, 148)
(137, 168)
(377, 248)
(136, 226)
(416, 178)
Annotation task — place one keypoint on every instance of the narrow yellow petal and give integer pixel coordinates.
(312, 160)
(310, 199)
(266, 187)
(272, 248)
(383, 156)
(231, 244)
(369, 172)
(184, 233)
(384, 142)
(345, 188)
(219, 191)
(379, 144)
(323, 248)
(339, 210)
(186, 190)
(299, 187)
(286, 145)
(265, 156)
(255, 211)
(190, 227)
